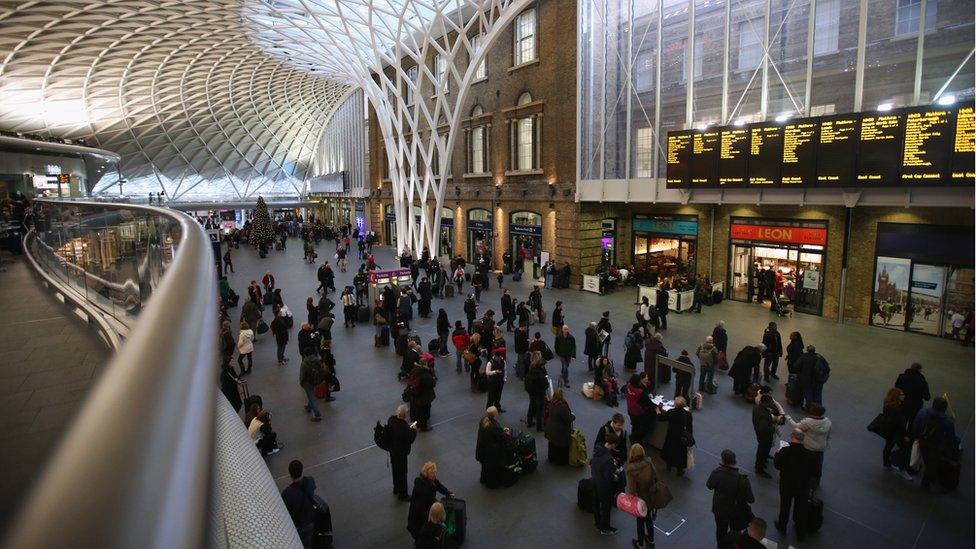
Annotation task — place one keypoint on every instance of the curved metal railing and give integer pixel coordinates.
(135, 468)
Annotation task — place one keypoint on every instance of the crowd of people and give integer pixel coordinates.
(491, 348)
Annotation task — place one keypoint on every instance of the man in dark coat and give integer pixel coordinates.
(296, 497)
(916, 390)
(591, 345)
(400, 437)
(813, 373)
(602, 467)
(731, 491)
(774, 350)
(604, 325)
(422, 395)
(661, 303)
(744, 364)
(653, 346)
(765, 427)
(720, 337)
(793, 463)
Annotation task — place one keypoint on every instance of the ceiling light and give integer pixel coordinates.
(784, 117)
(947, 100)
(703, 126)
(740, 122)
(885, 107)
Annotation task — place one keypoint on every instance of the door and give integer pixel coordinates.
(959, 296)
(923, 309)
(741, 265)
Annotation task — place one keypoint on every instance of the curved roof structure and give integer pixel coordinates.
(177, 88)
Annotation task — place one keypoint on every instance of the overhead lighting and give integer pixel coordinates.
(703, 126)
(947, 100)
(784, 117)
(740, 122)
(885, 107)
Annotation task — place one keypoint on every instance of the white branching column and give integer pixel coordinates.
(415, 60)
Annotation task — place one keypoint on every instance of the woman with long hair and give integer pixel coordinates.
(641, 478)
(895, 431)
(559, 428)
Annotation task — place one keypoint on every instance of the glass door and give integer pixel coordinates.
(741, 267)
(959, 298)
(923, 309)
(808, 283)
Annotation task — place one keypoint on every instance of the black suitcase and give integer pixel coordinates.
(322, 533)
(585, 492)
(814, 515)
(449, 290)
(949, 471)
(717, 297)
(456, 518)
(794, 396)
(434, 346)
(525, 447)
(383, 339)
(362, 314)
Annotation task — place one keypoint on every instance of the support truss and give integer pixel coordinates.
(374, 44)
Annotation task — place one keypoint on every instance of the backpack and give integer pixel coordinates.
(630, 342)
(380, 437)
(821, 370)
(547, 353)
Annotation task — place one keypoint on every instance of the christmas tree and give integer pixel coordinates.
(261, 232)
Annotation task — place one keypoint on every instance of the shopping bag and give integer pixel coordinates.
(691, 459)
(915, 461)
(632, 505)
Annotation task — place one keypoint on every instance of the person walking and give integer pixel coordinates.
(793, 463)
(425, 490)
(641, 480)
(731, 497)
(245, 348)
(794, 350)
(536, 386)
(443, 332)
(495, 373)
(603, 469)
(679, 438)
(279, 328)
(661, 303)
(311, 374)
(298, 498)
(916, 389)
(604, 329)
(813, 374)
(765, 426)
(508, 310)
(707, 360)
(816, 435)
(894, 430)
(559, 428)
(349, 307)
(565, 347)
(683, 379)
(558, 318)
(774, 350)
(400, 437)
(228, 262)
(521, 350)
(470, 310)
(461, 341)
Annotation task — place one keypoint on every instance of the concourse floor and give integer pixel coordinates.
(866, 506)
(49, 359)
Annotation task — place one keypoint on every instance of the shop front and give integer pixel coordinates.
(390, 222)
(479, 233)
(360, 221)
(665, 247)
(923, 276)
(785, 256)
(525, 230)
(446, 237)
(608, 239)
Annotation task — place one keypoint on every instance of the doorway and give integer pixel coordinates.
(479, 234)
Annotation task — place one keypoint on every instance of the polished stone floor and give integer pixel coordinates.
(49, 359)
(866, 506)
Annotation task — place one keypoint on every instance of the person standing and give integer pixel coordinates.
(349, 308)
(298, 497)
(565, 347)
(245, 347)
(813, 374)
(422, 395)
(443, 332)
(604, 327)
(227, 343)
(639, 408)
(461, 341)
(679, 438)
(521, 350)
(793, 463)
(936, 435)
(661, 303)
(916, 389)
(731, 496)
(470, 310)
(279, 327)
(894, 430)
(591, 345)
(508, 310)
(774, 350)
(746, 362)
(558, 318)
(765, 427)
(603, 469)
(559, 428)
(641, 479)
(794, 350)
(653, 346)
(633, 343)
(495, 374)
(400, 437)
(229, 385)
(682, 379)
(311, 374)
(425, 490)
(720, 338)
(816, 434)
(536, 386)
(228, 262)
(707, 360)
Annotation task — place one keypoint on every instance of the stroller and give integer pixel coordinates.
(781, 306)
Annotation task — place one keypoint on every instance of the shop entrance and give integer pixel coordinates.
(445, 240)
(784, 258)
(526, 243)
(479, 234)
(664, 248)
(390, 223)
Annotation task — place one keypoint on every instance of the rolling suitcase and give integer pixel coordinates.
(949, 472)
(456, 519)
(585, 492)
(794, 395)
(322, 532)
(362, 314)
(449, 290)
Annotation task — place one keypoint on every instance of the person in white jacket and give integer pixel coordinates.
(816, 436)
(245, 347)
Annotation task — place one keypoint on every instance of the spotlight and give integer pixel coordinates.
(884, 107)
(947, 100)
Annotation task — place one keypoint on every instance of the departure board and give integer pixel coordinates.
(800, 153)
(704, 159)
(678, 160)
(962, 171)
(922, 146)
(837, 150)
(879, 146)
(765, 154)
(925, 154)
(733, 156)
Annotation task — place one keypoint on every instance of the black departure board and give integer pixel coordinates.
(765, 153)
(800, 153)
(922, 146)
(678, 160)
(704, 159)
(733, 154)
(879, 147)
(961, 170)
(925, 150)
(837, 150)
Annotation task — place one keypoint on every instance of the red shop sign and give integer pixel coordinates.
(770, 233)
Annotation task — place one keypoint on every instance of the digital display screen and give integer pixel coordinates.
(923, 146)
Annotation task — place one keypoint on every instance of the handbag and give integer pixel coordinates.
(262, 327)
(632, 505)
(547, 353)
(660, 495)
(469, 357)
(878, 427)
(691, 459)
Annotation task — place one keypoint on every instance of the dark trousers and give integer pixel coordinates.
(398, 463)
(645, 529)
(495, 394)
(664, 321)
(421, 414)
(770, 363)
(601, 508)
(637, 429)
(722, 528)
(798, 502)
(281, 351)
(890, 445)
(762, 453)
(682, 385)
(240, 362)
(537, 409)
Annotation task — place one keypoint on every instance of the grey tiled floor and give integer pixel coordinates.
(866, 506)
(49, 359)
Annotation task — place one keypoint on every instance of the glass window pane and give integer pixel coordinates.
(525, 143)
(708, 61)
(644, 50)
(832, 89)
(827, 25)
(889, 59)
(946, 48)
(788, 56)
(477, 150)
(674, 32)
(644, 143)
(747, 32)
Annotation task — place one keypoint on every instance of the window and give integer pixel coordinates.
(827, 25)
(644, 71)
(525, 137)
(697, 61)
(482, 71)
(440, 71)
(908, 13)
(412, 79)
(477, 150)
(750, 45)
(525, 37)
(645, 152)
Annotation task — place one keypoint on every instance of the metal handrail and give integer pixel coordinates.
(135, 467)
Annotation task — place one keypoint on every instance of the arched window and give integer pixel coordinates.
(477, 147)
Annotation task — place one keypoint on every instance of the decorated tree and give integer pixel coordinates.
(261, 231)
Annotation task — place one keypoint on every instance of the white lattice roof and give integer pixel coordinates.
(177, 88)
